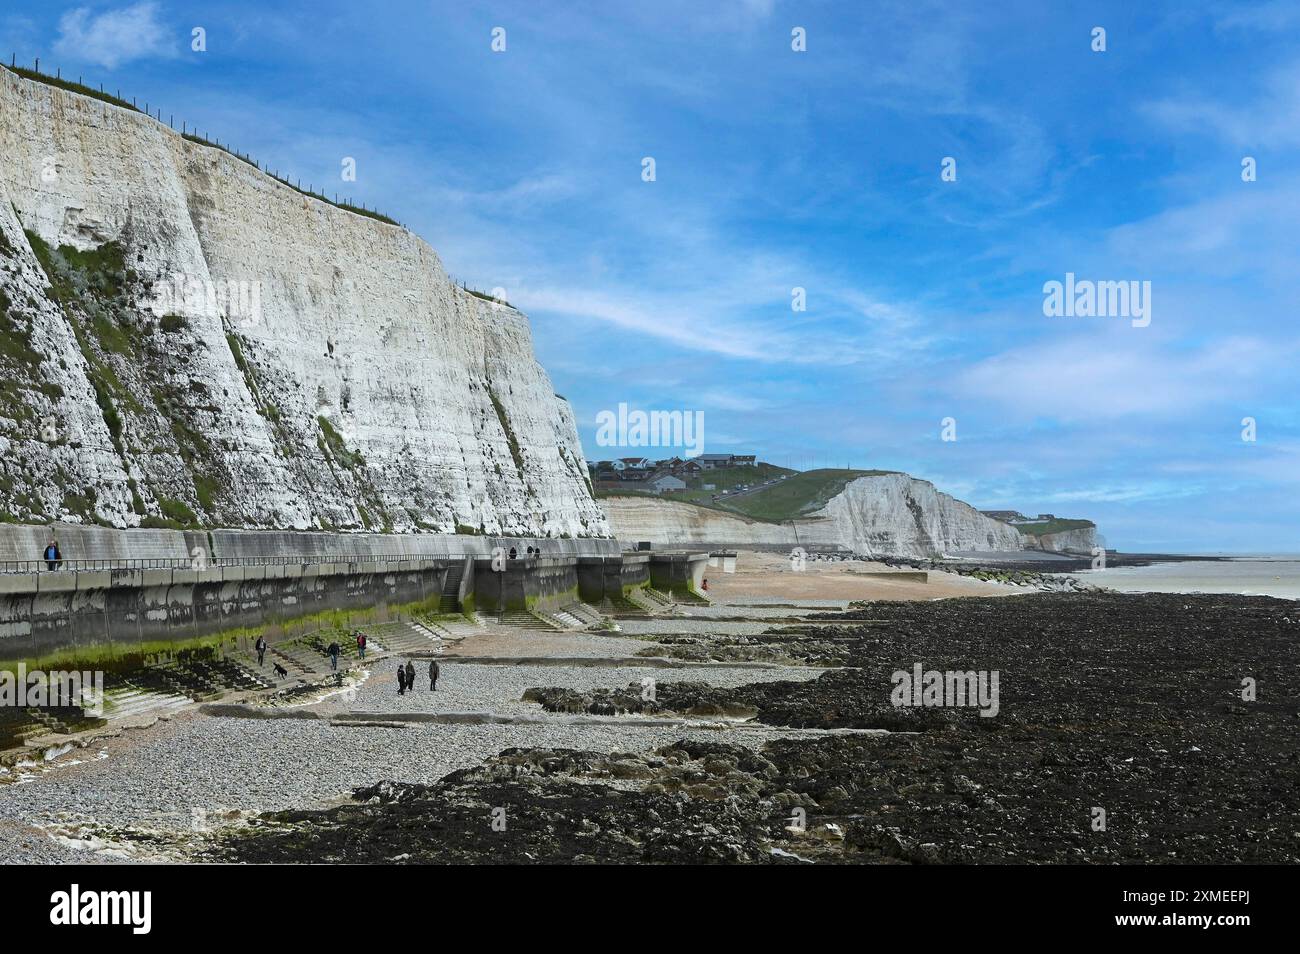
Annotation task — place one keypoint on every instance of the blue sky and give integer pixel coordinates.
(821, 169)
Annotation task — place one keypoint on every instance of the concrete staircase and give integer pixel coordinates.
(586, 613)
(561, 620)
(404, 637)
(17, 729)
(640, 601)
(576, 617)
(658, 597)
(129, 701)
(525, 619)
(64, 719)
(466, 625)
(449, 601)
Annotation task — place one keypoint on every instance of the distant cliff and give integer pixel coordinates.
(878, 515)
(898, 515)
(185, 341)
(1078, 540)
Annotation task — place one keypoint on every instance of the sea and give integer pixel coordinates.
(1251, 575)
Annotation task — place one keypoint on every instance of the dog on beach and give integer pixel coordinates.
(281, 671)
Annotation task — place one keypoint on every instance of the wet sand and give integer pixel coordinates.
(761, 574)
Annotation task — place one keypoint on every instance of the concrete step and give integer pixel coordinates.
(657, 596)
(133, 703)
(406, 637)
(449, 599)
(640, 600)
(567, 620)
(528, 620)
(587, 613)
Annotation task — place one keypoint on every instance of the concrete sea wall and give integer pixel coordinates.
(117, 613)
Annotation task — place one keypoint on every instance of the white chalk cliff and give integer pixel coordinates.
(357, 387)
(900, 515)
(884, 515)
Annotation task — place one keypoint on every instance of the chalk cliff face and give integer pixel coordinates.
(1082, 540)
(187, 340)
(886, 515)
(663, 521)
(898, 515)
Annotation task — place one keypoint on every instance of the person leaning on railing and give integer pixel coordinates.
(52, 556)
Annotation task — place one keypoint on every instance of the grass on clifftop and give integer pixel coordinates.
(84, 90)
(800, 495)
(70, 86)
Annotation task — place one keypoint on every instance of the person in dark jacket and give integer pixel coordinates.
(401, 679)
(433, 675)
(260, 646)
(410, 675)
(334, 649)
(52, 555)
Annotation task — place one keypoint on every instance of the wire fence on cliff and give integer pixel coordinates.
(193, 135)
(116, 99)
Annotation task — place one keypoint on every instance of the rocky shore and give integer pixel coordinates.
(1128, 704)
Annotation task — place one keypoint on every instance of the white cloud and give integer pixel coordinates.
(1270, 17)
(1269, 117)
(112, 37)
(1124, 493)
(1117, 375)
(719, 320)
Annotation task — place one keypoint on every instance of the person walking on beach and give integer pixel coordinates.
(334, 649)
(410, 675)
(433, 675)
(260, 646)
(52, 555)
(401, 679)
(361, 644)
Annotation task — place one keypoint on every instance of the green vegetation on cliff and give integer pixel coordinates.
(515, 453)
(799, 495)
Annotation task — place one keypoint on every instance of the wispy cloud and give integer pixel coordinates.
(112, 37)
(1268, 116)
(1083, 378)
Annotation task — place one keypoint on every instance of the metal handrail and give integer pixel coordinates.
(201, 563)
(207, 563)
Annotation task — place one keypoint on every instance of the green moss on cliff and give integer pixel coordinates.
(511, 440)
(338, 448)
